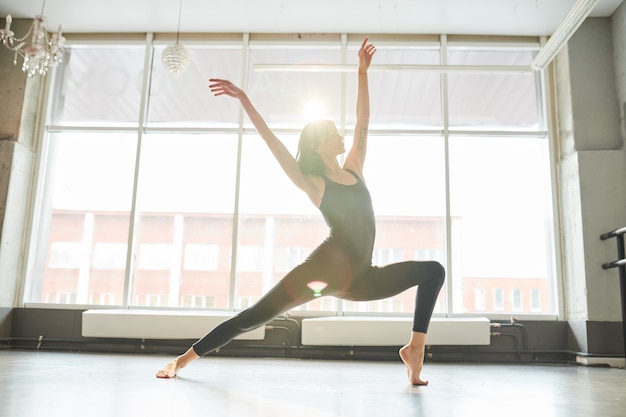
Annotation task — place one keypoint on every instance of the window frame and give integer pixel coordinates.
(247, 42)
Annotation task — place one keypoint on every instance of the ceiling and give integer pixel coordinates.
(488, 17)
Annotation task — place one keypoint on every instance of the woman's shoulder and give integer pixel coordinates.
(355, 171)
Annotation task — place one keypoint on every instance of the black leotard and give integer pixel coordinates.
(349, 214)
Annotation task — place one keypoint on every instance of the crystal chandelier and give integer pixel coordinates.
(176, 57)
(38, 50)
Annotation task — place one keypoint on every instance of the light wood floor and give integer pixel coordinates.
(84, 384)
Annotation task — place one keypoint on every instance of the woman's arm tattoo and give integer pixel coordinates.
(362, 137)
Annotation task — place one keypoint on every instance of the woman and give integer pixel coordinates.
(342, 264)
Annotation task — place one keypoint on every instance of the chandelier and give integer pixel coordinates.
(38, 50)
(175, 57)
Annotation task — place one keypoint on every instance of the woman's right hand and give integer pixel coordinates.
(224, 87)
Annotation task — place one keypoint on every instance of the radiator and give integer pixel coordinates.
(324, 331)
(155, 324)
(392, 331)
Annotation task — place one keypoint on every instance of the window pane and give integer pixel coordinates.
(291, 99)
(501, 221)
(201, 257)
(83, 226)
(400, 99)
(185, 100)
(479, 299)
(99, 84)
(182, 244)
(274, 216)
(184, 232)
(493, 101)
(406, 178)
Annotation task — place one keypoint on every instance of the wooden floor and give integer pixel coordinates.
(84, 384)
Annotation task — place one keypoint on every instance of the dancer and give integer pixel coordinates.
(342, 264)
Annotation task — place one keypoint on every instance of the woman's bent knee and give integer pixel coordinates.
(439, 272)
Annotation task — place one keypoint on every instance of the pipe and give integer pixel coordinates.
(620, 263)
(515, 324)
(516, 337)
(613, 233)
(289, 333)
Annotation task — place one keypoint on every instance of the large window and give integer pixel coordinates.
(154, 193)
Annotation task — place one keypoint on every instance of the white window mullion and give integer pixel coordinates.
(452, 295)
(143, 111)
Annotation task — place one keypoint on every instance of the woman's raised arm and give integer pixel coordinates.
(356, 157)
(286, 160)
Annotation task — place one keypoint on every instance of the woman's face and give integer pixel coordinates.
(333, 142)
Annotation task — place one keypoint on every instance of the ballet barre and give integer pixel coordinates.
(620, 263)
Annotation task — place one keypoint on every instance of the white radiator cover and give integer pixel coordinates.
(155, 324)
(392, 331)
(324, 331)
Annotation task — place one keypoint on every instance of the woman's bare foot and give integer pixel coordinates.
(413, 359)
(169, 371)
(177, 364)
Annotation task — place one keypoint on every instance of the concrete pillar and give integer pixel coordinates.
(592, 181)
(618, 28)
(18, 116)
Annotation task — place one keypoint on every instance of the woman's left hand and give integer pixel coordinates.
(366, 52)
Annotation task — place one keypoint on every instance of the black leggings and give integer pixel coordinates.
(330, 265)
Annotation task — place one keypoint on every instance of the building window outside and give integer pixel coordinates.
(250, 258)
(155, 256)
(187, 169)
(154, 300)
(385, 256)
(288, 257)
(109, 255)
(200, 257)
(245, 302)
(329, 304)
(480, 301)
(390, 305)
(197, 301)
(60, 298)
(516, 300)
(535, 300)
(107, 299)
(430, 254)
(498, 299)
(66, 255)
